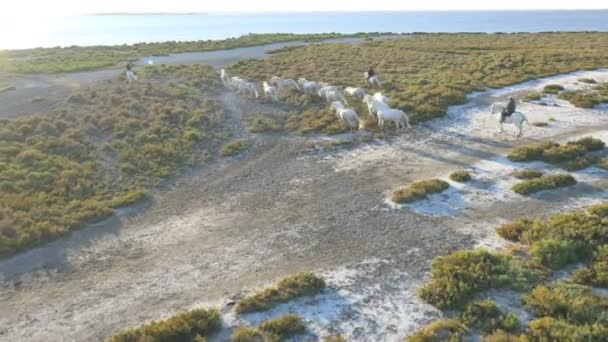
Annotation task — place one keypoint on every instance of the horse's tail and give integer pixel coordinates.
(406, 118)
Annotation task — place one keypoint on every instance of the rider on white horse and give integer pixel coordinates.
(370, 73)
(508, 109)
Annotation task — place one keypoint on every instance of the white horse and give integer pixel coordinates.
(130, 75)
(346, 115)
(244, 87)
(381, 98)
(397, 116)
(355, 92)
(516, 118)
(308, 86)
(331, 93)
(270, 91)
(286, 83)
(372, 105)
(373, 81)
(224, 77)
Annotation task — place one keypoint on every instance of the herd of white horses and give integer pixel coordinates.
(377, 104)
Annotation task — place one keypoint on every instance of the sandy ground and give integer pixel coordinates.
(242, 222)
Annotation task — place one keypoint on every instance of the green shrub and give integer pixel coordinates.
(261, 124)
(449, 330)
(514, 230)
(530, 152)
(564, 153)
(460, 275)
(527, 174)
(570, 302)
(552, 88)
(581, 99)
(587, 80)
(579, 163)
(600, 209)
(530, 186)
(301, 284)
(603, 163)
(192, 325)
(234, 147)
(460, 176)
(554, 253)
(246, 334)
(534, 96)
(551, 329)
(419, 190)
(500, 336)
(596, 274)
(589, 143)
(483, 315)
(284, 326)
(510, 323)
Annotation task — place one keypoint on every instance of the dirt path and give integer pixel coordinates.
(274, 211)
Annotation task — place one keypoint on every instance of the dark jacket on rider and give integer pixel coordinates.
(510, 109)
(370, 73)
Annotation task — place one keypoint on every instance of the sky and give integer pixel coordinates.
(20, 9)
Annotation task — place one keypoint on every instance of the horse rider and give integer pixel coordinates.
(508, 109)
(370, 73)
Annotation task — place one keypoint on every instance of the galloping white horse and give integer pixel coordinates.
(373, 81)
(386, 113)
(331, 93)
(308, 86)
(224, 77)
(516, 118)
(244, 87)
(355, 92)
(270, 91)
(346, 115)
(130, 75)
(286, 83)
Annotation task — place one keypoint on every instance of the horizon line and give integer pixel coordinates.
(338, 12)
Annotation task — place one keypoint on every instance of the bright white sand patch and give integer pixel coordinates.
(362, 303)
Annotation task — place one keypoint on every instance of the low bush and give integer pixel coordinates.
(448, 330)
(600, 209)
(587, 80)
(552, 88)
(530, 186)
(234, 147)
(603, 163)
(569, 302)
(589, 143)
(194, 325)
(529, 153)
(527, 174)
(301, 284)
(579, 163)
(550, 152)
(554, 253)
(284, 326)
(563, 153)
(460, 275)
(246, 334)
(581, 99)
(482, 315)
(595, 274)
(500, 336)
(262, 123)
(534, 96)
(514, 230)
(419, 190)
(460, 176)
(551, 329)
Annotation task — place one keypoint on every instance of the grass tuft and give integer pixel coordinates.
(527, 174)
(419, 190)
(552, 88)
(301, 284)
(460, 176)
(234, 147)
(543, 183)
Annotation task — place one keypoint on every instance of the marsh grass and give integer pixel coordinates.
(284, 326)
(234, 148)
(587, 98)
(550, 182)
(571, 156)
(534, 96)
(101, 149)
(527, 174)
(460, 176)
(450, 330)
(193, 325)
(81, 58)
(289, 288)
(553, 88)
(419, 190)
(424, 74)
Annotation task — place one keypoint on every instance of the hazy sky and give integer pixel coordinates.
(35, 8)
